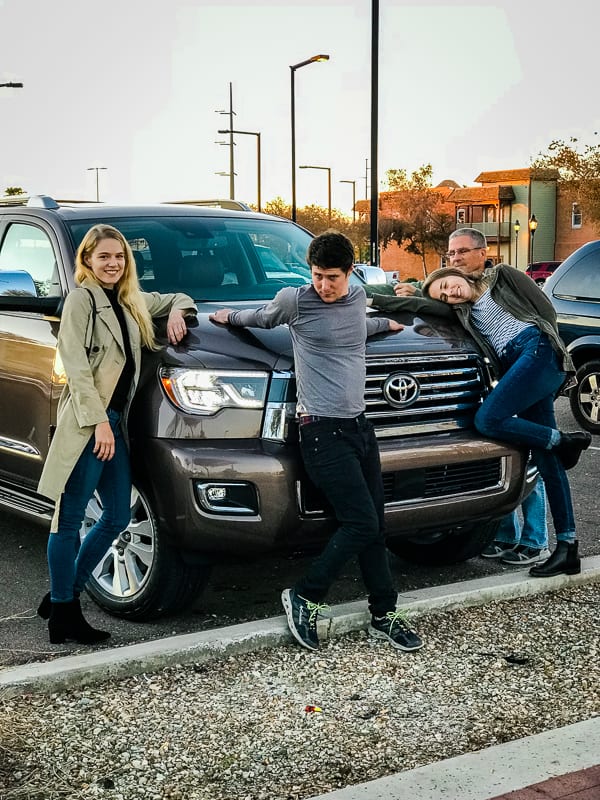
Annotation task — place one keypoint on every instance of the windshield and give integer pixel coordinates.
(209, 258)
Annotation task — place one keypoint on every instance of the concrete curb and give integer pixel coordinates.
(491, 772)
(95, 667)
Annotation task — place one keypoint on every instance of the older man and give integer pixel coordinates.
(467, 251)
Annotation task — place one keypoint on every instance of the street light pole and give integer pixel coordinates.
(533, 223)
(517, 227)
(97, 169)
(309, 166)
(374, 236)
(353, 198)
(293, 68)
(258, 167)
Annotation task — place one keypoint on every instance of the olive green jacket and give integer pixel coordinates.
(92, 356)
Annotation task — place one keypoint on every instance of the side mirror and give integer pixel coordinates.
(16, 283)
(18, 293)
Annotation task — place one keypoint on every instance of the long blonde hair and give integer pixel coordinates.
(128, 287)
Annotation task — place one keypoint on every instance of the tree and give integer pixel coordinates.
(416, 217)
(578, 167)
(278, 207)
(316, 220)
(12, 191)
(420, 179)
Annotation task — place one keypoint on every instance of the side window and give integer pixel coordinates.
(576, 216)
(27, 247)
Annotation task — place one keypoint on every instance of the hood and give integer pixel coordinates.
(211, 345)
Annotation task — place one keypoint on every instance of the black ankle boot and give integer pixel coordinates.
(571, 446)
(563, 561)
(44, 607)
(67, 622)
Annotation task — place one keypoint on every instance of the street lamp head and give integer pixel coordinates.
(517, 226)
(312, 60)
(533, 223)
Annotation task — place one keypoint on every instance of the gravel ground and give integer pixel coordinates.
(239, 729)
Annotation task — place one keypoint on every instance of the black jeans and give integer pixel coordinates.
(341, 457)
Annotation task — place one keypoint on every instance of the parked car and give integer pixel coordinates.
(574, 290)
(369, 274)
(213, 434)
(540, 271)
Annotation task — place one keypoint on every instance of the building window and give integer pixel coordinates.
(460, 216)
(575, 216)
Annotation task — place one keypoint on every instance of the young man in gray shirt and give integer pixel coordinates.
(329, 327)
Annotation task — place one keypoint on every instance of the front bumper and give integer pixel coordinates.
(424, 481)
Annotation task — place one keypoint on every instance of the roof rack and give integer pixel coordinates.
(233, 205)
(33, 201)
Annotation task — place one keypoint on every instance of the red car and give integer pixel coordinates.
(540, 270)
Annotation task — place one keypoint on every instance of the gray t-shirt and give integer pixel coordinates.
(329, 342)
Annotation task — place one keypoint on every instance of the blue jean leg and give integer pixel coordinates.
(532, 376)
(535, 526)
(534, 532)
(70, 563)
(520, 410)
(344, 463)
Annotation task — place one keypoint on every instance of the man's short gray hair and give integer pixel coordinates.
(476, 236)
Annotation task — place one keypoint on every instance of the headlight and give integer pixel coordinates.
(206, 391)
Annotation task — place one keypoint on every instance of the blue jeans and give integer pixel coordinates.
(520, 410)
(70, 563)
(535, 528)
(341, 456)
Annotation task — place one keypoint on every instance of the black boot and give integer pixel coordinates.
(67, 622)
(44, 607)
(564, 560)
(571, 446)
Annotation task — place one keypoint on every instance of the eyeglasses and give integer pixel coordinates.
(461, 251)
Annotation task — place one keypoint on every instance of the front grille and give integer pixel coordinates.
(443, 480)
(415, 485)
(451, 389)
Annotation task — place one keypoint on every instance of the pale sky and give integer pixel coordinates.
(133, 86)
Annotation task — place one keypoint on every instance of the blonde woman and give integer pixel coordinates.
(105, 323)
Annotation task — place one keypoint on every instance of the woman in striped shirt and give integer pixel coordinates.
(514, 324)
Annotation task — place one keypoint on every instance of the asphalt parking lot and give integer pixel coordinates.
(238, 591)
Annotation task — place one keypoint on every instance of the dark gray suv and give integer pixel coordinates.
(213, 435)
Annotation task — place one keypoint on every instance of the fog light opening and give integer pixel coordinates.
(227, 497)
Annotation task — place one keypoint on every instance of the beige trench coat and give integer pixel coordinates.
(91, 380)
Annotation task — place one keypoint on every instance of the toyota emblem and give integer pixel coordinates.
(401, 390)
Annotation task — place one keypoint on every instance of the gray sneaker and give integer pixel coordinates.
(302, 618)
(497, 549)
(394, 627)
(526, 555)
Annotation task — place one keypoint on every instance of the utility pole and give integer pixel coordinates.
(231, 144)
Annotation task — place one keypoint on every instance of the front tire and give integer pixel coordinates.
(141, 576)
(585, 397)
(445, 547)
